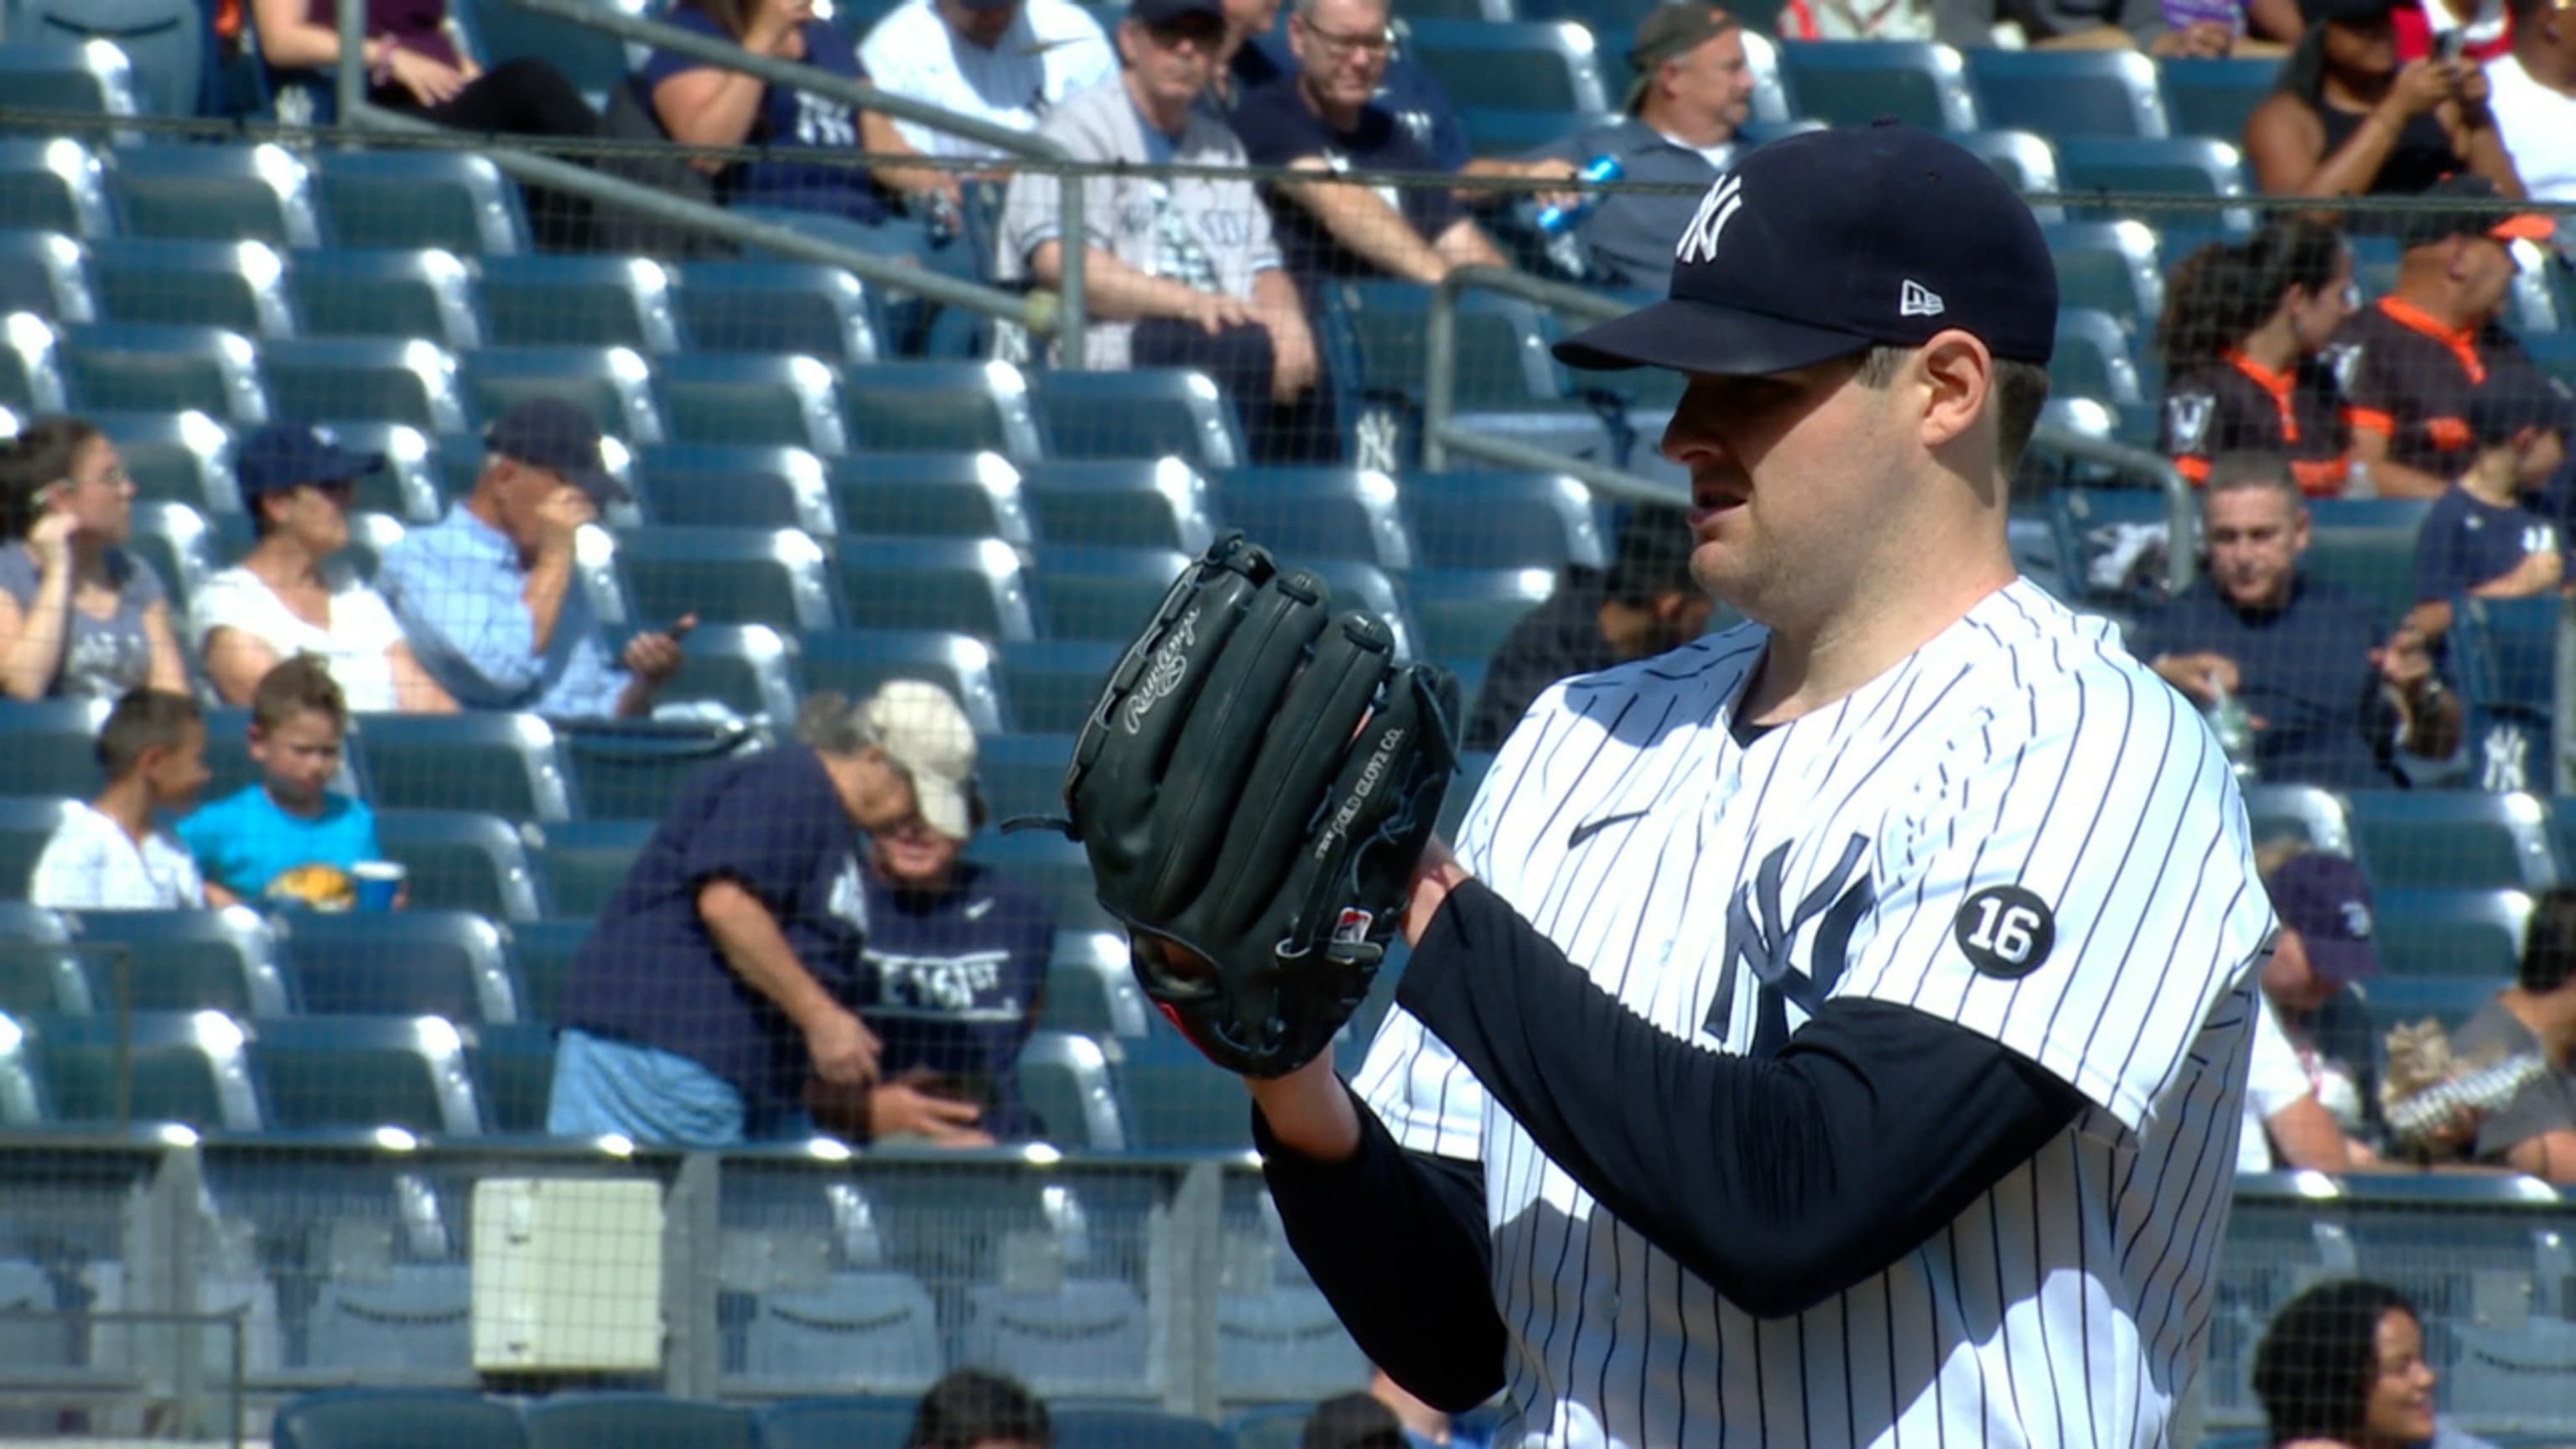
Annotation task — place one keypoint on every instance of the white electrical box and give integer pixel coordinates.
(567, 1275)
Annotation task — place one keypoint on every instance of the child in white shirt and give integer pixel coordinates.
(108, 855)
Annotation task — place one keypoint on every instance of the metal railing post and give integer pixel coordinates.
(692, 1277)
(352, 77)
(1072, 325)
(2562, 715)
(1440, 373)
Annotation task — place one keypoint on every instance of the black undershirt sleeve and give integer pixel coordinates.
(1780, 1181)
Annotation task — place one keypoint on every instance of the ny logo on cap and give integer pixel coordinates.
(1699, 239)
(1917, 300)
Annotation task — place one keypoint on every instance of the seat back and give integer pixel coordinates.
(382, 382)
(727, 575)
(395, 1419)
(1163, 503)
(136, 368)
(2068, 92)
(1504, 520)
(506, 764)
(262, 192)
(161, 42)
(147, 1067)
(341, 1072)
(60, 73)
(422, 198)
(1528, 66)
(837, 1423)
(391, 292)
(548, 301)
(738, 487)
(635, 1421)
(451, 964)
(935, 495)
(1144, 413)
(943, 407)
(184, 961)
(974, 586)
(1852, 82)
(633, 769)
(794, 307)
(754, 401)
(1320, 512)
(1065, 1080)
(462, 860)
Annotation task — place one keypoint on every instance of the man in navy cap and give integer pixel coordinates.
(489, 597)
(1825, 1029)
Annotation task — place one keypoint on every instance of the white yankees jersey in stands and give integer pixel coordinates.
(2018, 829)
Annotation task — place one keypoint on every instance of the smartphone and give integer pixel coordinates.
(2448, 44)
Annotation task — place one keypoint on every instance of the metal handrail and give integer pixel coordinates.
(1061, 314)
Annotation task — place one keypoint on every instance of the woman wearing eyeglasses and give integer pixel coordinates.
(80, 617)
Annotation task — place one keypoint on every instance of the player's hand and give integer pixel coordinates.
(1215, 312)
(902, 1109)
(50, 540)
(654, 658)
(843, 1049)
(2421, 85)
(1438, 873)
(560, 516)
(431, 82)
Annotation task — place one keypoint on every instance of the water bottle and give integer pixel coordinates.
(2235, 730)
(1558, 220)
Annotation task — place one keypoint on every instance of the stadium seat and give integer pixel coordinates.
(543, 952)
(974, 586)
(2304, 813)
(1502, 361)
(635, 1421)
(45, 273)
(1022, 774)
(726, 575)
(261, 192)
(2453, 840)
(851, 1422)
(1081, 1337)
(1143, 413)
(31, 370)
(1141, 503)
(2025, 160)
(2506, 652)
(1853, 82)
(55, 185)
(1102, 1427)
(89, 76)
(1053, 683)
(183, 961)
(943, 407)
(40, 966)
(2469, 933)
(1270, 1426)
(463, 861)
(593, 60)
(2093, 359)
(2372, 559)
(1530, 66)
(612, 384)
(936, 495)
(1053, 866)
(1465, 614)
(394, 1323)
(26, 823)
(854, 662)
(401, 293)
(2064, 93)
(634, 769)
(750, 400)
(585, 861)
(2111, 267)
(1511, 133)
(379, 1418)
(1496, 520)
(329, 1072)
(868, 1326)
(136, 368)
(1104, 593)
(2214, 98)
(166, 52)
(1163, 1081)
(748, 668)
(579, 301)
(1319, 512)
(1090, 988)
(1277, 1339)
(146, 1067)
(2183, 166)
(403, 963)
(1066, 1080)
(2450, 1000)
(795, 307)
(513, 1069)
(404, 488)
(507, 764)
(405, 382)
(738, 487)
(239, 286)
(49, 747)
(184, 547)
(184, 458)
(453, 200)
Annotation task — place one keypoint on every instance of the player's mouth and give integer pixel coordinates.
(1711, 499)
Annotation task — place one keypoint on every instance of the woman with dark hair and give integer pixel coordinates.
(79, 616)
(2345, 119)
(2342, 1367)
(974, 1409)
(2243, 325)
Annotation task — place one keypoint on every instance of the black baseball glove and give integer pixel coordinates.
(1254, 788)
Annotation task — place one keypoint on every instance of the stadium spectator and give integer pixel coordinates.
(1644, 604)
(699, 104)
(1353, 1421)
(2341, 1366)
(288, 836)
(1009, 62)
(1857, 20)
(1180, 271)
(2077, 25)
(1324, 120)
(489, 595)
(2534, 1133)
(978, 1409)
(956, 957)
(2410, 362)
(717, 979)
(292, 594)
(2286, 1128)
(2478, 538)
(2335, 695)
(2243, 329)
(2345, 119)
(2326, 945)
(1693, 90)
(2478, 31)
(108, 854)
(80, 617)
(2533, 98)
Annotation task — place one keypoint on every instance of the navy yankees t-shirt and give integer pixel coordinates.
(2305, 671)
(2466, 542)
(651, 973)
(950, 985)
(789, 121)
(1278, 129)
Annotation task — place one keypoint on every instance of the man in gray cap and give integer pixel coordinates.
(488, 595)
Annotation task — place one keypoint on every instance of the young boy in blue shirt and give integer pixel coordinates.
(2480, 538)
(289, 837)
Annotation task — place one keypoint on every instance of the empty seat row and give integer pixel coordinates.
(342, 1419)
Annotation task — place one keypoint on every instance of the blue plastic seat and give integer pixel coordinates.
(422, 198)
(1139, 414)
(633, 769)
(1091, 988)
(727, 575)
(56, 74)
(1052, 865)
(503, 763)
(1145, 503)
(753, 400)
(411, 382)
(46, 274)
(405, 963)
(543, 952)
(585, 861)
(235, 285)
(1023, 775)
(748, 668)
(1530, 66)
(262, 192)
(161, 43)
(2214, 98)
(2182, 166)
(1502, 359)
(738, 487)
(2450, 1000)
(111, 1069)
(49, 747)
(319, 1073)
(1168, 1106)
(184, 961)
(40, 967)
(2373, 557)
(26, 823)
(1053, 683)
(796, 307)
(575, 301)
(1104, 1427)
(2111, 267)
(974, 586)
(1104, 593)
(2471, 933)
(389, 292)
(851, 1422)
(1494, 520)
(2093, 359)
(2068, 92)
(1853, 82)
(591, 59)
(614, 385)
(854, 662)
(377, 1418)
(853, 1325)
(2019, 157)
(184, 546)
(933, 495)
(31, 368)
(1492, 132)
(136, 368)
(2304, 813)
(943, 407)
(2453, 840)
(56, 184)
(513, 1069)
(1320, 512)
(462, 860)
(1465, 614)
(175, 458)
(635, 1421)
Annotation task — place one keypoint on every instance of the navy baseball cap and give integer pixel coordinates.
(2499, 410)
(550, 433)
(2327, 901)
(289, 455)
(1828, 243)
(1154, 14)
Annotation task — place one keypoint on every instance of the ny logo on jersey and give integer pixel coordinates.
(1757, 937)
(1699, 239)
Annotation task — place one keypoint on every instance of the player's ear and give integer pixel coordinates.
(1953, 376)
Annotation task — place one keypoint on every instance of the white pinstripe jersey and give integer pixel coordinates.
(1857, 851)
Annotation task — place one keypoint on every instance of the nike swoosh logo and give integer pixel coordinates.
(1591, 828)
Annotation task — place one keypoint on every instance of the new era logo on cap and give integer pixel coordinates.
(1918, 300)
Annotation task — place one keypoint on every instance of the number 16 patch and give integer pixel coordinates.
(2006, 931)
